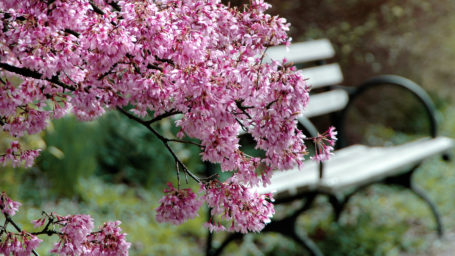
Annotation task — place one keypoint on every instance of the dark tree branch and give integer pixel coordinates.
(72, 32)
(160, 117)
(115, 6)
(169, 61)
(46, 232)
(33, 74)
(153, 66)
(96, 8)
(243, 108)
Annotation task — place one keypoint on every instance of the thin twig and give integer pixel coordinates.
(243, 108)
(164, 140)
(185, 142)
(178, 175)
(108, 72)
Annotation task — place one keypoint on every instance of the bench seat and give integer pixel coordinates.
(355, 166)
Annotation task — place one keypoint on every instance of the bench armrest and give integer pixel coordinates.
(394, 80)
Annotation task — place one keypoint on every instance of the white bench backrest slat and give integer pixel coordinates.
(326, 102)
(316, 75)
(320, 76)
(301, 52)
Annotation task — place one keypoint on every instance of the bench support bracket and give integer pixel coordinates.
(403, 180)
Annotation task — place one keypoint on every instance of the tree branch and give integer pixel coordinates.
(72, 32)
(162, 116)
(115, 6)
(185, 142)
(10, 220)
(96, 8)
(164, 140)
(33, 74)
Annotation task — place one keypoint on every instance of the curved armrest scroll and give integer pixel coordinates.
(395, 80)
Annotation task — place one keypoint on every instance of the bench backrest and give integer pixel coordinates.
(313, 55)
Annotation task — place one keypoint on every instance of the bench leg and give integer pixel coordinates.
(434, 210)
(405, 180)
(337, 206)
(338, 203)
(219, 250)
(287, 227)
(306, 243)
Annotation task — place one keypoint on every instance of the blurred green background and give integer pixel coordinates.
(114, 169)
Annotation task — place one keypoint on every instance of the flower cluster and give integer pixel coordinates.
(77, 238)
(109, 241)
(246, 211)
(73, 235)
(21, 244)
(178, 205)
(8, 206)
(324, 144)
(75, 232)
(16, 155)
(200, 59)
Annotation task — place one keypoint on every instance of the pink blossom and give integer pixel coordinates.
(8, 206)
(21, 244)
(109, 241)
(73, 239)
(244, 210)
(38, 222)
(15, 155)
(324, 144)
(178, 205)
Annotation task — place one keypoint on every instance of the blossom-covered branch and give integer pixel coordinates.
(75, 232)
(200, 59)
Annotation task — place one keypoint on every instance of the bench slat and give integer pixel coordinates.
(389, 160)
(325, 102)
(301, 52)
(356, 165)
(320, 76)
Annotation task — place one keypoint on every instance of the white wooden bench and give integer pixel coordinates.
(354, 167)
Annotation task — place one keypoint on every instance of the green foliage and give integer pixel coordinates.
(115, 148)
(70, 154)
(133, 155)
(135, 207)
(14, 181)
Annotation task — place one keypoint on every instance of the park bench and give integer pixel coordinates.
(352, 167)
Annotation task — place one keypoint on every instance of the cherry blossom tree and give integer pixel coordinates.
(198, 62)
